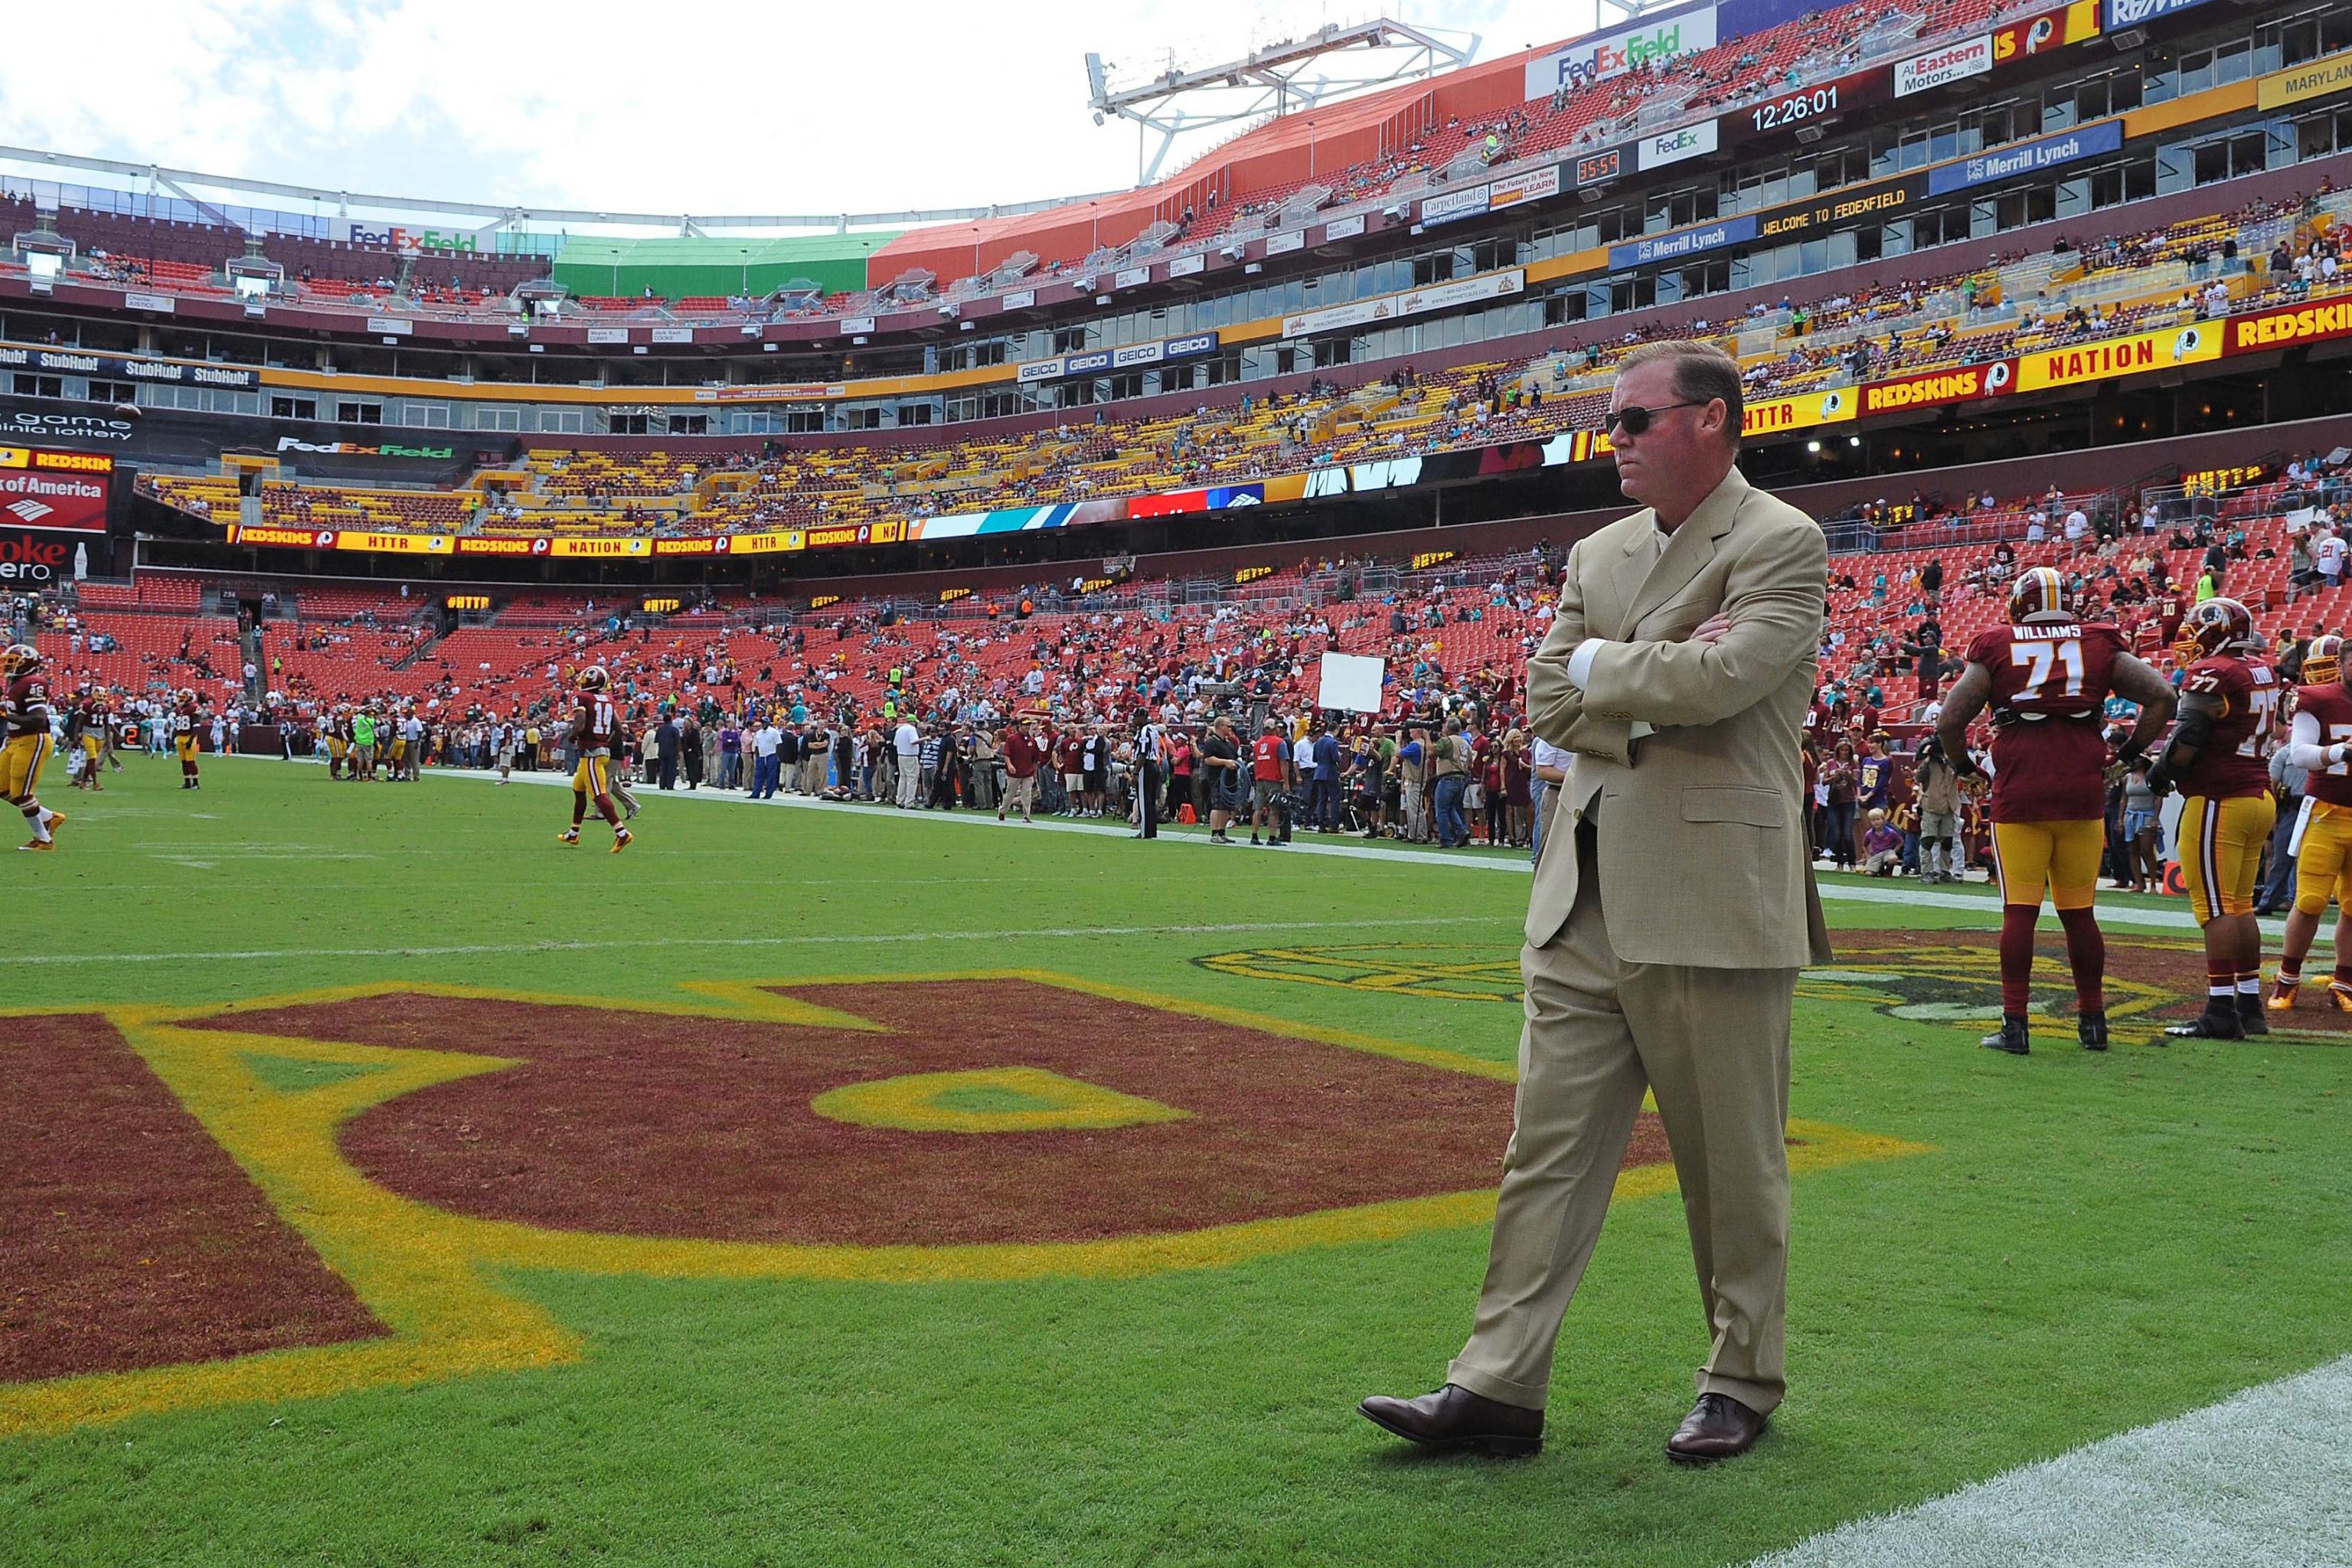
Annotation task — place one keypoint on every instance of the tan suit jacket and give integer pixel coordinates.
(1704, 820)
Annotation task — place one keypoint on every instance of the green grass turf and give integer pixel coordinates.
(2100, 1241)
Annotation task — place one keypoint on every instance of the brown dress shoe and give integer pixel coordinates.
(1718, 1428)
(1453, 1417)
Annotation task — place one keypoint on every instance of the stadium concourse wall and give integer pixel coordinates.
(2119, 468)
(1965, 255)
(2097, 469)
(1287, 151)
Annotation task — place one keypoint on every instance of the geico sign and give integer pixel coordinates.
(25, 559)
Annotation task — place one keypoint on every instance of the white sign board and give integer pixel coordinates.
(1351, 682)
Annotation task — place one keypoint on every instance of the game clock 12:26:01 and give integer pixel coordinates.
(1795, 107)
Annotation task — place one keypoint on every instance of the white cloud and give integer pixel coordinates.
(725, 108)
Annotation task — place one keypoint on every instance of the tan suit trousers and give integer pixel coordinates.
(1712, 1045)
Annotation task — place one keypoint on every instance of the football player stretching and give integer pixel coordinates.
(24, 707)
(592, 726)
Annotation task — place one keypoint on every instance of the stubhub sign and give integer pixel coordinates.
(1589, 59)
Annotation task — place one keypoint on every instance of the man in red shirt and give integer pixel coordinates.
(1022, 755)
(1069, 758)
(1269, 758)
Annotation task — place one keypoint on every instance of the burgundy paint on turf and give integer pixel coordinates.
(128, 1237)
(656, 1125)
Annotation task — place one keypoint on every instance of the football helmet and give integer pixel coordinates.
(187, 697)
(2039, 594)
(2216, 626)
(594, 678)
(2323, 661)
(19, 658)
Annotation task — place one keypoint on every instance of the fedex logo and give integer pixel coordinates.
(1596, 59)
(409, 241)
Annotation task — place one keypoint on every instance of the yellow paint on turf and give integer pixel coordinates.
(433, 1277)
(923, 1102)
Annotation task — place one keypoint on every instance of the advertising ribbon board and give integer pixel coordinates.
(1938, 388)
(58, 503)
(2111, 357)
(2320, 78)
(2289, 325)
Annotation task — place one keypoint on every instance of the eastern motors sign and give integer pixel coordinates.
(1953, 62)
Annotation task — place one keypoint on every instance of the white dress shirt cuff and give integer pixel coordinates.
(1579, 671)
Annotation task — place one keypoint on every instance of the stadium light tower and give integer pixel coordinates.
(1627, 10)
(1332, 63)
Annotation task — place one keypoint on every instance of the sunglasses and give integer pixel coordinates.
(1637, 419)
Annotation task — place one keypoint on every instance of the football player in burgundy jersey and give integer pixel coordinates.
(2046, 676)
(185, 721)
(2218, 756)
(2320, 742)
(25, 719)
(594, 726)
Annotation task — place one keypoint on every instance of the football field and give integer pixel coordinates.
(389, 1183)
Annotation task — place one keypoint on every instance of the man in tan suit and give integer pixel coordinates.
(1672, 911)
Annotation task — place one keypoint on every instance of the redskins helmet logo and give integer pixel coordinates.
(2216, 626)
(19, 658)
(2323, 661)
(2039, 593)
(594, 678)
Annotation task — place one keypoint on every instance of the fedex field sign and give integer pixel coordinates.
(1590, 60)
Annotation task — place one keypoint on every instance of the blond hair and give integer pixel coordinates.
(1703, 373)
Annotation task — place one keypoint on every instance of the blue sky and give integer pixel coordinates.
(738, 108)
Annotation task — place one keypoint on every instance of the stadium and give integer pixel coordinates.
(923, 1145)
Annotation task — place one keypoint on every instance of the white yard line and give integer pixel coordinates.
(827, 939)
(1984, 902)
(2261, 1479)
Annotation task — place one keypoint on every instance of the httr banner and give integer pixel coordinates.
(65, 503)
(1800, 412)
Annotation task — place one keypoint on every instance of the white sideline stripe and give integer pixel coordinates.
(871, 810)
(825, 939)
(1986, 903)
(2262, 1477)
